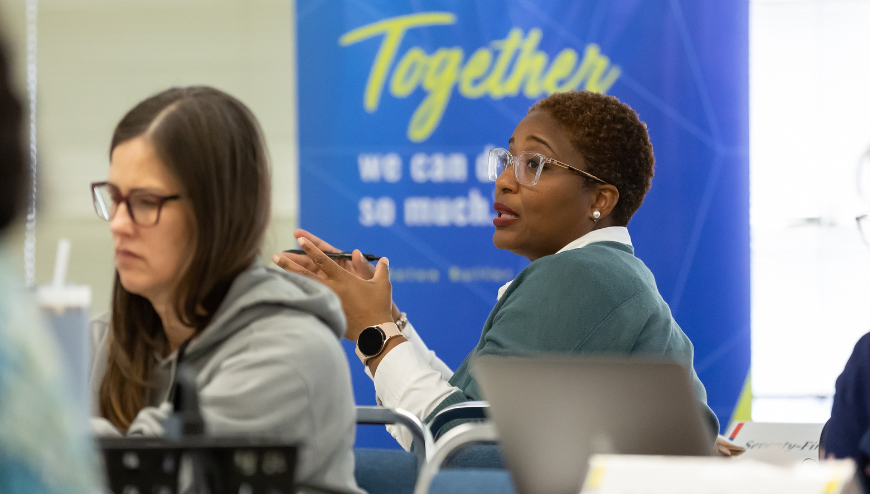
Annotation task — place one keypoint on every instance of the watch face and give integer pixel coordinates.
(370, 341)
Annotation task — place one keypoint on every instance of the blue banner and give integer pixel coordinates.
(399, 102)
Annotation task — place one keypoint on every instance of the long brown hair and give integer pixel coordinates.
(213, 145)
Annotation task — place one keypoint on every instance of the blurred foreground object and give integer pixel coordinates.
(44, 445)
(614, 474)
(189, 461)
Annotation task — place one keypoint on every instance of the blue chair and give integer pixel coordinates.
(477, 455)
(469, 457)
(390, 471)
(472, 482)
(465, 479)
(456, 414)
(466, 447)
(387, 471)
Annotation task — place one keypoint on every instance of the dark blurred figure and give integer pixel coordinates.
(847, 433)
(44, 447)
(13, 167)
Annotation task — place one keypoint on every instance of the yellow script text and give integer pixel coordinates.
(504, 68)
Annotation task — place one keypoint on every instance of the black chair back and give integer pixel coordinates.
(216, 465)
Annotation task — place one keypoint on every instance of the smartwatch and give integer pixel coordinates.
(373, 340)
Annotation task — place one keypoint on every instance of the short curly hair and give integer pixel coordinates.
(613, 141)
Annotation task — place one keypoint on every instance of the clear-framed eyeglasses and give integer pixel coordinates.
(527, 166)
(143, 207)
(864, 227)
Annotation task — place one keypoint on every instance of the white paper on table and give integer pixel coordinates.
(636, 474)
(777, 443)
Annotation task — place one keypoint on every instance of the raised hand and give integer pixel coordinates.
(358, 266)
(366, 302)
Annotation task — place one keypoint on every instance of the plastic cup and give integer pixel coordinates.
(66, 313)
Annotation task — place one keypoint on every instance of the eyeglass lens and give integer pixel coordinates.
(144, 209)
(102, 203)
(526, 172)
(499, 159)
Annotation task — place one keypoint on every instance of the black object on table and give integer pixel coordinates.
(220, 465)
(213, 465)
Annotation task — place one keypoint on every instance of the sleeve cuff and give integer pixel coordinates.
(405, 380)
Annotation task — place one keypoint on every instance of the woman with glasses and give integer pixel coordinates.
(576, 169)
(188, 198)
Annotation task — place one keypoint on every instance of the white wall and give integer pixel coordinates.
(809, 127)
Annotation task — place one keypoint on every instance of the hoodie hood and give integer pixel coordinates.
(260, 291)
(269, 364)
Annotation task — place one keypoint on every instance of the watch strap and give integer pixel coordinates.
(390, 329)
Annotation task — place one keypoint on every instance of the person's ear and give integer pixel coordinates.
(606, 197)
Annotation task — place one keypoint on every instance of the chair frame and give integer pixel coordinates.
(422, 444)
(452, 440)
(469, 410)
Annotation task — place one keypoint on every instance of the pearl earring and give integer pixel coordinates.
(596, 215)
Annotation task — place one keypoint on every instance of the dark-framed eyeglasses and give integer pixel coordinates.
(864, 227)
(143, 207)
(527, 166)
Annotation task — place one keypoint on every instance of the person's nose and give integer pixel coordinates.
(507, 181)
(122, 222)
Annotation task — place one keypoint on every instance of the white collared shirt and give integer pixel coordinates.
(413, 378)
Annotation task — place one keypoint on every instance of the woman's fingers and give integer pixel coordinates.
(361, 266)
(382, 272)
(302, 260)
(365, 292)
(358, 265)
(317, 241)
(284, 262)
(332, 270)
(322, 245)
(366, 302)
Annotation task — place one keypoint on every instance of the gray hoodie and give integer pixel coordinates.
(270, 363)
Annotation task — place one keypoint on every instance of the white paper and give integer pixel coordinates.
(781, 444)
(635, 474)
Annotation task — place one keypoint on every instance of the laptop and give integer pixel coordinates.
(553, 414)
